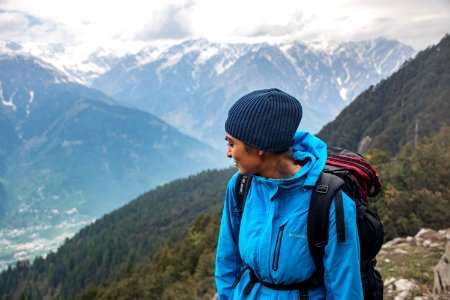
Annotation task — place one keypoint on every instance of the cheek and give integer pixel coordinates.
(234, 155)
(239, 158)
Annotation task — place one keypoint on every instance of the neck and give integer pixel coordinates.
(279, 166)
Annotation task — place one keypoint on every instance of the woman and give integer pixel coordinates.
(264, 252)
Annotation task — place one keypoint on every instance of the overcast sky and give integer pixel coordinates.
(90, 24)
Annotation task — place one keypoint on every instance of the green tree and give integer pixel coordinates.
(416, 189)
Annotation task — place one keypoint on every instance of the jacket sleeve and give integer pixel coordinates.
(342, 260)
(228, 259)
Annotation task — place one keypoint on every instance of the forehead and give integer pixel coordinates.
(229, 137)
(236, 141)
(232, 139)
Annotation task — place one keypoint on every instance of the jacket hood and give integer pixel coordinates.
(308, 147)
(309, 150)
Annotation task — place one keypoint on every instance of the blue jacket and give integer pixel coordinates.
(272, 238)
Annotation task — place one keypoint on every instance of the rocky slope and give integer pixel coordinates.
(407, 265)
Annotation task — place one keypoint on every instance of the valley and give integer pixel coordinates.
(25, 243)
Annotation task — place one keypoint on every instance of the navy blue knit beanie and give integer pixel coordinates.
(265, 119)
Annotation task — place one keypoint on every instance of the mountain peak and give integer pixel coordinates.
(199, 80)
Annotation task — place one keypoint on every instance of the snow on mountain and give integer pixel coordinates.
(191, 85)
(76, 68)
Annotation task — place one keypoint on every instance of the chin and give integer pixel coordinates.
(244, 172)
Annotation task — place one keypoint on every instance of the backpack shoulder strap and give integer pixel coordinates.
(327, 188)
(242, 187)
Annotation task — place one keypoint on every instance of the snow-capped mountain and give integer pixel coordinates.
(76, 68)
(64, 145)
(191, 85)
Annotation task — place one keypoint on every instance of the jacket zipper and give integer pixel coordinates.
(277, 250)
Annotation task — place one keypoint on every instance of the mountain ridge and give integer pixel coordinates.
(413, 102)
(45, 112)
(192, 85)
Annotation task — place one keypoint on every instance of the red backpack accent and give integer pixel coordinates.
(367, 178)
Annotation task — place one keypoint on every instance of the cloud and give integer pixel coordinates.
(12, 23)
(49, 33)
(296, 23)
(22, 27)
(171, 23)
(87, 24)
(416, 26)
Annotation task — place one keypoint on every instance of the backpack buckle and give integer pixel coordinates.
(323, 189)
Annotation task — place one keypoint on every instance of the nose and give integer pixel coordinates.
(229, 152)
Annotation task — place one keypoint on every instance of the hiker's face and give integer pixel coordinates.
(247, 159)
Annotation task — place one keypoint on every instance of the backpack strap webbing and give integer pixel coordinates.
(302, 286)
(327, 188)
(340, 225)
(241, 189)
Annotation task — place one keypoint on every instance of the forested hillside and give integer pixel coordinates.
(416, 192)
(412, 103)
(182, 271)
(118, 242)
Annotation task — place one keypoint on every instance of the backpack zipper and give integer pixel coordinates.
(277, 250)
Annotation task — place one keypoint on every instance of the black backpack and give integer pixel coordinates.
(349, 172)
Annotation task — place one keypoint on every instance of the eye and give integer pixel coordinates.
(229, 143)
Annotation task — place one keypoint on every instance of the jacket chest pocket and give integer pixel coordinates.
(291, 259)
(277, 249)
